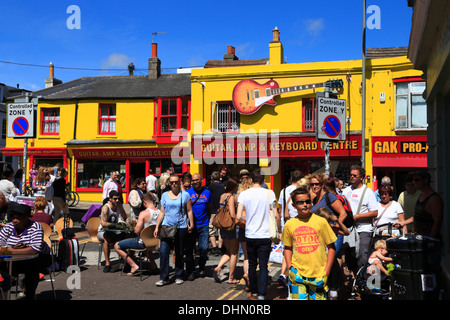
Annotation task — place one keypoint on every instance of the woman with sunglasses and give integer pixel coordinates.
(176, 209)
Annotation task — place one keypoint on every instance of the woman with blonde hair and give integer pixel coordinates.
(41, 181)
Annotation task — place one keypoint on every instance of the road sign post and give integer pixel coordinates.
(330, 125)
(20, 120)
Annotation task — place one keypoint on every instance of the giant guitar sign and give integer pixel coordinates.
(249, 96)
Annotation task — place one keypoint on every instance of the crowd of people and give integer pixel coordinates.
(311, 214)
(312, 219)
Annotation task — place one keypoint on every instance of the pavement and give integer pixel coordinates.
(91, 283)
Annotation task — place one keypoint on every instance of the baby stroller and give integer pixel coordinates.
(374, 287)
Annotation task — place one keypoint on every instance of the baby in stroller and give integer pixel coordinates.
(377, 258)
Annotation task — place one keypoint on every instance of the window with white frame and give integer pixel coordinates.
(107, 118)
(50, 121)
(410, 106)
(227, 117)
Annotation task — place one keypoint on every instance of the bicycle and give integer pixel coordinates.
(72, 197)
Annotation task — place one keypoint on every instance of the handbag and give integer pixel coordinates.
(273, 225)
(168, 232)
(223, 220)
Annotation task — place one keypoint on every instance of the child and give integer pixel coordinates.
(309, 250)
(377, 257)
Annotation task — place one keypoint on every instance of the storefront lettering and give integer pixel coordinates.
(386, 147)
(397, 147)
(124, 153)
(278, 146)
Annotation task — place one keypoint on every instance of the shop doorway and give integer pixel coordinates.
(136, 170)
(291, 166)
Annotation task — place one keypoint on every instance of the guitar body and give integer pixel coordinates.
(249, 96)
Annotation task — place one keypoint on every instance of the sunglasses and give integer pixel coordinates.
(315, 183)
(115, 199)
(353, 175)
(301, 202)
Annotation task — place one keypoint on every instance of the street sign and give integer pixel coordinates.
(20, 119)
(331, 119)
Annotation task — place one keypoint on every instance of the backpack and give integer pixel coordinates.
(223, 220)
(349, 221)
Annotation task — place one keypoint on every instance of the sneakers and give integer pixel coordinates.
(161, 283)
(179, 281)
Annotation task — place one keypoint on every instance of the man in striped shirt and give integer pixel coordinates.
(23, 236)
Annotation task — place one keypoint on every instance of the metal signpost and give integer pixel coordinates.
(21, 122)
(331, 120)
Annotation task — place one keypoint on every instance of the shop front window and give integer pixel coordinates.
(93, 173)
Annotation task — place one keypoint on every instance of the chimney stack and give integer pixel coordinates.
(154, 64)
(276, 48)
(230, 54)
(51, 80)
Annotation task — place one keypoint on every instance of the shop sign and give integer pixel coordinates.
(122, 153)
(395, 146)
(283, 147)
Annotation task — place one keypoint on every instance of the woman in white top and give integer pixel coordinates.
(389, 211)
(147, 217)
(138, 188)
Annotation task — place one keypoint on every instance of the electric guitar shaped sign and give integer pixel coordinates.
(249, 96)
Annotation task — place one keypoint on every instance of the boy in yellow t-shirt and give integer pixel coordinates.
(309, 250)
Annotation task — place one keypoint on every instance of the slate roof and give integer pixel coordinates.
(120, 87)
(378, 53)
(235, 63)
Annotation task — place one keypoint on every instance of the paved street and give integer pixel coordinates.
(94, 284)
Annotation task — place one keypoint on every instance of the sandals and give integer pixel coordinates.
(232, 281)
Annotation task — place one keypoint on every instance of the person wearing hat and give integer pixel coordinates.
(429, 209)
(23, 236)
(244, 174)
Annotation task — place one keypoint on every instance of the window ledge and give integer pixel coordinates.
(409, 130)
(44, 136)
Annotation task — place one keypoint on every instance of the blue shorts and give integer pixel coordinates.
(130, 243)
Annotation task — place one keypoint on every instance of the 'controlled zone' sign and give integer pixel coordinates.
(331, 119)
(20, 119)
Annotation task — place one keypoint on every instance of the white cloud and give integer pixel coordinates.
(314, 26)
(117, 60)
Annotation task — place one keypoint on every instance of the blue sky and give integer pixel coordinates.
(114, 33)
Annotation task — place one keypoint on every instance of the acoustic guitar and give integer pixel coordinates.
(249, 96)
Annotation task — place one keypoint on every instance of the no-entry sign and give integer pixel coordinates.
(20, 119)
(331, 119)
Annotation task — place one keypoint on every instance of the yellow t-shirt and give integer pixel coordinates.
(308, 239)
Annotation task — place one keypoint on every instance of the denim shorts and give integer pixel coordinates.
(130, 243)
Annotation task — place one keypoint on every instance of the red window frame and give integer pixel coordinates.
(313, 115)
(108, 117)
(175, 113)
(43, 121)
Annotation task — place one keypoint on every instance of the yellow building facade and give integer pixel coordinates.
(96, 125)
(286, 126)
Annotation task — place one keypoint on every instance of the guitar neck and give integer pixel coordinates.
(277, 91)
